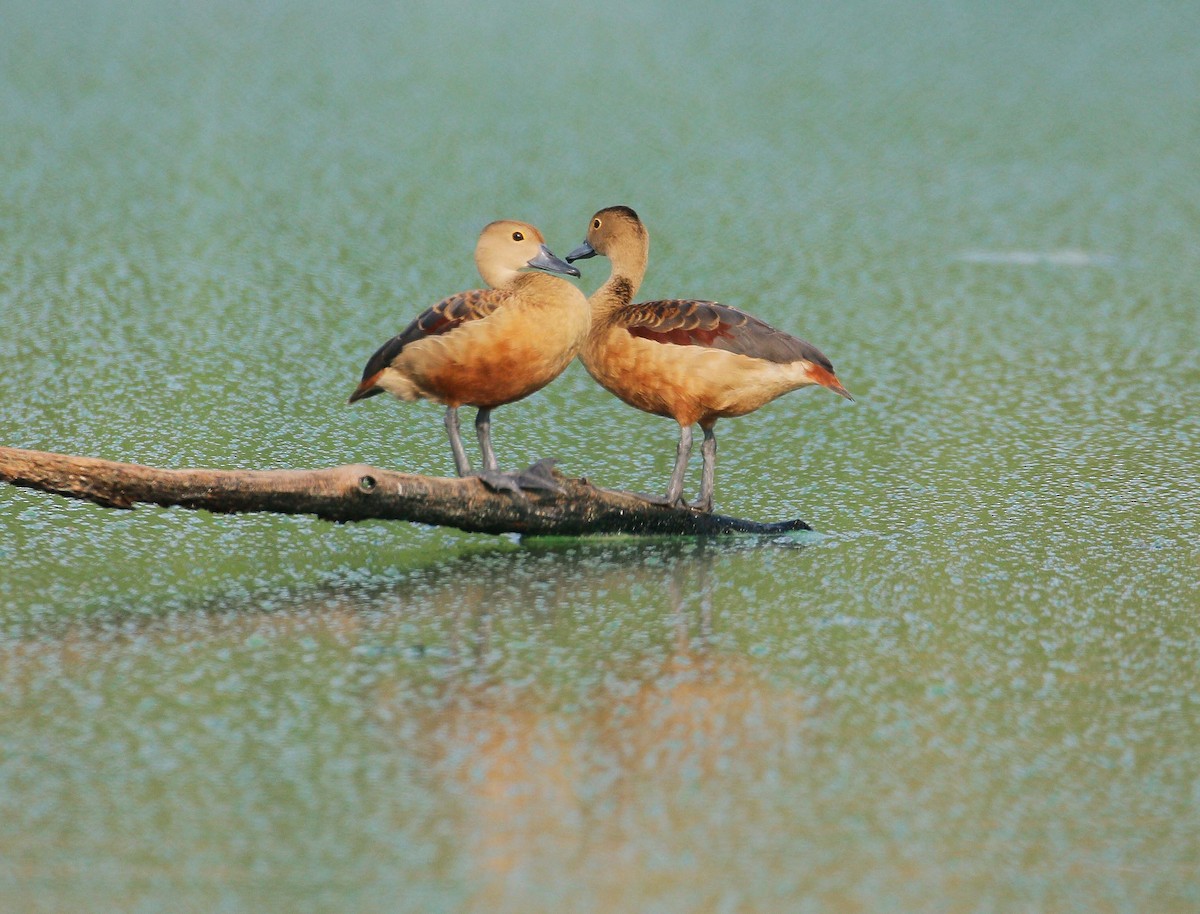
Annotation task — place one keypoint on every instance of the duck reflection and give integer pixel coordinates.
(588, 709)
(658, 719)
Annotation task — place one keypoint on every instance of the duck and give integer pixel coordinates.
(487, 347)
(689, 360)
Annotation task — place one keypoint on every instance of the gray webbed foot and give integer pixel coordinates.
(539, 477)
(665, 500)
(497, 481)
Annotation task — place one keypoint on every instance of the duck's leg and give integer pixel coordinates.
(682, 453)
(538, 477)
(483, 428)
(461, 464)
(708, 475)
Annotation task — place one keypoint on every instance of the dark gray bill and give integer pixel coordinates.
(545, 260)
(583, 252)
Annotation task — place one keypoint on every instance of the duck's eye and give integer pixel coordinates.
(595, 223)
(517, 236)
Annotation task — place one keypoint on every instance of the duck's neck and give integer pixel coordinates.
(497, 277)
(628, 269)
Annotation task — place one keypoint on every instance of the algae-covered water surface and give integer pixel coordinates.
(973, 688)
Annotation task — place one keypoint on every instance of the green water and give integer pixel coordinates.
(975, 689)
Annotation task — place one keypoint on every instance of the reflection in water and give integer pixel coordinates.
(542, 786)
(531, 711)
(637, 714)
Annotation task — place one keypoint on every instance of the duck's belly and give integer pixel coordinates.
(489, 364)
(687, 383)
(488, 379)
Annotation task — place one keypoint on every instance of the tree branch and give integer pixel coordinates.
(359, 492)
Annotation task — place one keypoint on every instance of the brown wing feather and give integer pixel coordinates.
(444, 317)
(716, 326)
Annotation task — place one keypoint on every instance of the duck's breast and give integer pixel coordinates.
(515, 351)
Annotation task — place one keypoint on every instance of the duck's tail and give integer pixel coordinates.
(366, 388)
(819, 374)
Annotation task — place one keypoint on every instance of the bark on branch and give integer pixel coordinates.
(359, 492)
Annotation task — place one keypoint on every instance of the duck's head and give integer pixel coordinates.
(613, 232)
(506, 247)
